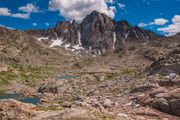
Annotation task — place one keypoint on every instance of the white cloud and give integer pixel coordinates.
(34, 24)
(21, 15)
(121, 5)
(142, 25)
(158, 21)
(7, 12)
(78, 9)
(173, 28)
(29, 8)
(4, 12)
(47, 24)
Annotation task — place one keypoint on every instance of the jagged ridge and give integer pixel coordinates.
(97, 33)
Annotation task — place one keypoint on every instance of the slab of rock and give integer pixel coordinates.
(15, 110)
(142, 88)
(168, 102)
(169, 83)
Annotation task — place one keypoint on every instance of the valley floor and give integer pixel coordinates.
(107, 87)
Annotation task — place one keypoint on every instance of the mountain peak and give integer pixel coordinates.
(97, 16)
(95, 12)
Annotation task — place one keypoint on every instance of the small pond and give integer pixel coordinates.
(19, 97)
(65, 77)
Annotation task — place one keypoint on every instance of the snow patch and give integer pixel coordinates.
(135, 33)
(114, 40)
(66, 46)
(79, 38)
(62, 43)
(57, 42)
(77, 47)
(42, 38)
(99, 52)
(126, 35)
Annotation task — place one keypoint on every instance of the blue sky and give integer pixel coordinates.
(161, 16)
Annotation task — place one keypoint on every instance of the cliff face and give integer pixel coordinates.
(97, 32)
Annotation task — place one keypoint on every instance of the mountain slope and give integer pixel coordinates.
(19, 47)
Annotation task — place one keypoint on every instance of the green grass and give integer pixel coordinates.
(161, 77)
(2, 92)
(6, 77)
(117, 91)
(21, 73)
(34, 73)
(129, 72)
(111, 76)
(48, 108)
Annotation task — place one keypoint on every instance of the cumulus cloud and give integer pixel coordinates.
(173, 28)
(25, 11)
(29, 8)
(78, 9)
(7, 12)
(158, 21)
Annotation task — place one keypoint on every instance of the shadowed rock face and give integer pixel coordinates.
(170, 63)
(97, 33)
(67, 31)
(126, 32)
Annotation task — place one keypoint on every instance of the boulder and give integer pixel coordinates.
(47, 89)
(168, 102)
(107, 103)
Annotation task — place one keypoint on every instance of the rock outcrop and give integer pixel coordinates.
(170, 63)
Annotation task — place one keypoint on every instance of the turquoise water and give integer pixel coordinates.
(19, 97)
(65, 77)
(72, 71)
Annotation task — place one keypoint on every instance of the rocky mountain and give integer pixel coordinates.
(97, 33)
